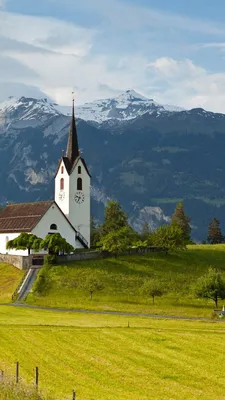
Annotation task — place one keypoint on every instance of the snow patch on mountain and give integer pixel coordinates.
(153, 216)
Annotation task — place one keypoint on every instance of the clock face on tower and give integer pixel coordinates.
(61, 196)
(79, 197)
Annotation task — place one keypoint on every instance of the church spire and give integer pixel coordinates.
(72, 151)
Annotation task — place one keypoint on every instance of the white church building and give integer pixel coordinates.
(68, 214)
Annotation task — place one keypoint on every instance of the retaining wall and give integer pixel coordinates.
(20, 262)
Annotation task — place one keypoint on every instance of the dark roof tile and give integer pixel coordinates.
(22, 217)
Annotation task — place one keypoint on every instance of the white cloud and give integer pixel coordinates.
(52, 57)
(184, 83)
(127, 15)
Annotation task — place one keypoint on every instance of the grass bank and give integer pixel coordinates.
(10, 277)
(122, 279)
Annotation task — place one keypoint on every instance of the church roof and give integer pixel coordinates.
(23, 217)
(72, 151)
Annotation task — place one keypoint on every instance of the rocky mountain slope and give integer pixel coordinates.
(146, 155)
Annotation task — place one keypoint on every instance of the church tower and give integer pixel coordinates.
(72, 187)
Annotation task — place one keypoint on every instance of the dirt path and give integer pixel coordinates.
(119, 313)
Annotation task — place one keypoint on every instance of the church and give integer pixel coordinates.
(68, 214)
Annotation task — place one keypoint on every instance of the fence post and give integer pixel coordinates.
(36, 377)
(17, 371)
(74, 395)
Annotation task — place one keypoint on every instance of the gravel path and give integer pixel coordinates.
(120, 313)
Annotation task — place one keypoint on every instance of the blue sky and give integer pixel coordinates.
(172, 51)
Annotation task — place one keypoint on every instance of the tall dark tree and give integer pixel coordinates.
(180, 219)
(214, 232)
(95, 232)
(115, 218)
(145, 231)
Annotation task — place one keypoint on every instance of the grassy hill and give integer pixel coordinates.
(101, 358)
(10, 277)
(123, 278)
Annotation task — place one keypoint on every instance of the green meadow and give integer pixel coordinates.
(122, 279)
(102, 358)
(108, 357)
(10, 278)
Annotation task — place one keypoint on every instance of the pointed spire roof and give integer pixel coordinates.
(72, 151)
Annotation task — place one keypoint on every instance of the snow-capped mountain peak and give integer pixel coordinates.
(131, 95)
(127, 106)
(24, 108)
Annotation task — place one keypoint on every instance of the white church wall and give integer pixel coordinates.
(80, 214)
(54, 216)
(63, 202)
(4, 238)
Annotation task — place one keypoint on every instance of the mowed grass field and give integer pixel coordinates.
(10, 277)
(123, 278)
(102, 358)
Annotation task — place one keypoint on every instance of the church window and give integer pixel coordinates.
(79, 184)
(6, 239)
(79, 169)
(53, 227)
(62, 170)
(61, 184)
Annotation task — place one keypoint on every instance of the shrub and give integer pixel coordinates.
(49, 260)
(43, 282)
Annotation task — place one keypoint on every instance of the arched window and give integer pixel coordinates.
(61, 184)
(79, 169)
(79, 184)
(62, 169)
(6, 239)
(53, 227)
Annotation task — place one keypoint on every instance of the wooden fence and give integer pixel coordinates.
(17, 379)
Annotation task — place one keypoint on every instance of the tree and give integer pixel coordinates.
(115, 218)
(95, 233)
(25, 241)
(180, 219)
(152, 288)
(56, 243)
(117, 241)
(211, 286)
(168, 236)
(140, 244)
(92, 284)
(145, 231)
(214, 232)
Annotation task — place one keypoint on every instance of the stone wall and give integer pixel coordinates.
(20, 262)
(91, 255)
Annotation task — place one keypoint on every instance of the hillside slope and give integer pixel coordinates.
(10, 278)
(122, 280)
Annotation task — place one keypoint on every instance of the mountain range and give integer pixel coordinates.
(146, 155)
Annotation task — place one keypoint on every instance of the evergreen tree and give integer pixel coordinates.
(115, 218)
(214, 232)
(145, 231)
(180, 219)
(95, 232)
